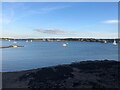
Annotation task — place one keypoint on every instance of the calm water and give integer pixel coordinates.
(42, 54)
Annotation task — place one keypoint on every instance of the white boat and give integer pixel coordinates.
(105, 41)
(26, 40)
(30, 40)
(114, 43)
(9, 40)
(14, 46)
(14, 42)
(64, 45)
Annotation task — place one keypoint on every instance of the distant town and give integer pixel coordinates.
(66, 39)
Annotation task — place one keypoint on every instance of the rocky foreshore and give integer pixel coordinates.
(85, 74)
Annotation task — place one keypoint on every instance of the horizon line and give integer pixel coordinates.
(58, 38)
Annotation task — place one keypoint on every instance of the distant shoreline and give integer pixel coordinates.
(65, 39)
(87, 74)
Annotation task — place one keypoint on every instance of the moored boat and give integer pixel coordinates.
(114, 43)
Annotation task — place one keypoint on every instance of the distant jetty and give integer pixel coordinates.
(11, 46)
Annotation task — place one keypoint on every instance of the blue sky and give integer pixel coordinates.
(50, 19)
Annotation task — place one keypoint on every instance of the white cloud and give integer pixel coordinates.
(98, 34)
(50, 31)
(80, 34)
(49, 9)
(111, 21)
(57, 33)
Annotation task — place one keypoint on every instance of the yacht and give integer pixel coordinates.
(114, 43)
(26, 40)
(67, 43)
(64, 45)
(105, 41)
(30, 40)
(14, 46)
(14, 42)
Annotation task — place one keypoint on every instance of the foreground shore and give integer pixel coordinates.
(85, 74)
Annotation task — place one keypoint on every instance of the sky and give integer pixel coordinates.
(59, 19)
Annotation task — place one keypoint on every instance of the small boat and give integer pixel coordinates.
(26, 40)
(64, 45)
(105, 41)
(15, 46)
(9, 40)
(114, 43)
(14, 42)
(67, 43)
(30, 40)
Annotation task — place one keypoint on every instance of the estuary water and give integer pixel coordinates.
(43, 54)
